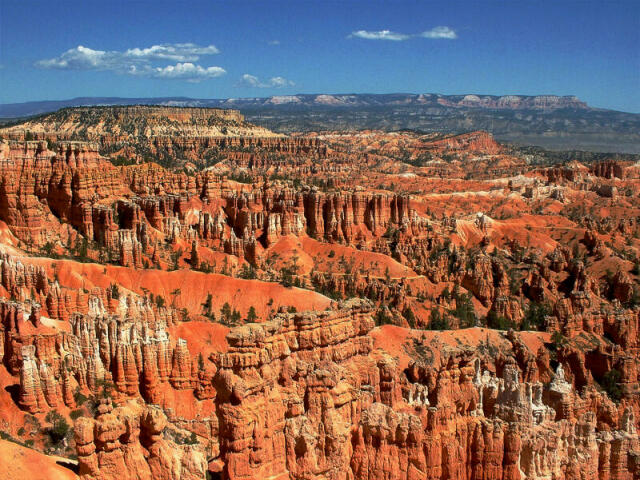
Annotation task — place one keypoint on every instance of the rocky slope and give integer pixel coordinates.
(21, 462)
(326, 306)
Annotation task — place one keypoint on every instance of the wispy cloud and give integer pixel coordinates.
(179, 52)
(273, 42)
(440, 32)
(380, 35)
(251, 81)
(435, 33)
(140, 61)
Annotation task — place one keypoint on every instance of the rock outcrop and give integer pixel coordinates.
(131, 442)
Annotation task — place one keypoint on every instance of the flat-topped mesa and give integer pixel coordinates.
(201, 143)
(126, 126)
(160, 113)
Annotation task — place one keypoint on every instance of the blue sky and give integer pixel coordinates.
(217, 48)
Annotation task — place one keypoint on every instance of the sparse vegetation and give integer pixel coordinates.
(229, 316)
(438, 321)
(610, 382)
(535, 316)
(498, 322)
(59, 429)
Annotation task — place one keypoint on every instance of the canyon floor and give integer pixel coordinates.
(185, 295)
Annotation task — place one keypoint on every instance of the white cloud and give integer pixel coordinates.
(180, 52)
(251, 81)
(435, 33)
(274, 42)
(279, 82)
(187, 71)
(440, 32)
(140, 61)
(380, 35)
(80, 58)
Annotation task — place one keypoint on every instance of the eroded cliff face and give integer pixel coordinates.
(134, 441)
(73, 195)
(325, 395)
(471, 411)
(41, 188)
(334, 306)
(307, 396)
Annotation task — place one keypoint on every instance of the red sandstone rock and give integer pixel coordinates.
(322, 394)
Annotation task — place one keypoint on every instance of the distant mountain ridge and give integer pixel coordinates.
(509, 102)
